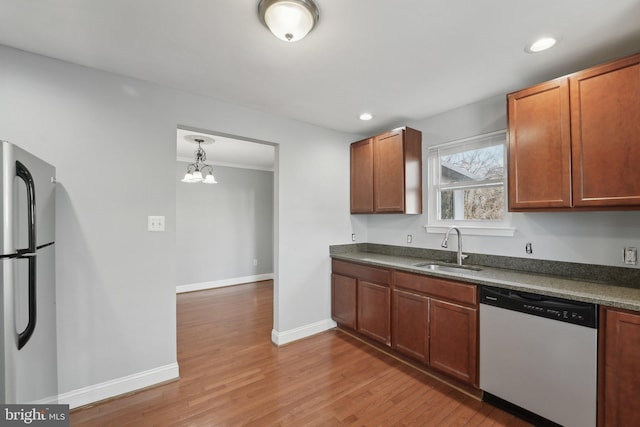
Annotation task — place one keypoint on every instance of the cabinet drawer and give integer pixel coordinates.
(442, 288)
(359, 271)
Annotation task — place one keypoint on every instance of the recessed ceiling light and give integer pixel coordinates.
(541, 44)
(365, 116)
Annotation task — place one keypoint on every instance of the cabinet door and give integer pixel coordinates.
(453, 340)
(343, 300)
(362, 176)
(605, 128)
(619, 369)
(410, 325)
(388, 181)
(374, 311)
(539, 147)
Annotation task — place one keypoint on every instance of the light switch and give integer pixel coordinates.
(155, 223)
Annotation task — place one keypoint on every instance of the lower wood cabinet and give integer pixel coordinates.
(343, 300)
(411, 325)
(374, 311)
(453, 340)
(619, 368)
(431, 320)
(435, 321)
(361, 299)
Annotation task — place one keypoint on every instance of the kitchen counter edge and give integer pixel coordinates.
(573, 289)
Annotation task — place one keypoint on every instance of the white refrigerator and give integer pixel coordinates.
(28, 349)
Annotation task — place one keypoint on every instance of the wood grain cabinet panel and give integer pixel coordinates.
(362, 176)
(428, 319)
(343, 301)
(388, 177)
(605, 131)
(374, 311)
(410, 325)
(619, 368)
(386, 173)
(361, 299)
(453, 342)
(463, 293)
(539, 146)
(435, 322)
(574, 142)
(360, 271)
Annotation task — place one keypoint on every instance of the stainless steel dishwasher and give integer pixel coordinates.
(539, 353)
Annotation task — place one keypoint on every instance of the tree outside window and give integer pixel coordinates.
(467, 180)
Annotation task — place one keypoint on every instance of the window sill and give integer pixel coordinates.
(473, 230)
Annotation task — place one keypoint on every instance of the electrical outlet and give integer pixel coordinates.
(528, 248)
(409, 238)
(255, 262)
(155, 223)
(353, 237)
(630, 256)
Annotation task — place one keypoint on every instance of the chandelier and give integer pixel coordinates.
(197, 168)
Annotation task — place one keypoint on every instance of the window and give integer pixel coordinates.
(467, 185)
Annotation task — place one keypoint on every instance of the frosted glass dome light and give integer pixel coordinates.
(288, 20)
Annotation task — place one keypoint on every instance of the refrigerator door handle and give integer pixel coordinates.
(23, 173)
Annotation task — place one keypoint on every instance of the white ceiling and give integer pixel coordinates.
(400, 60)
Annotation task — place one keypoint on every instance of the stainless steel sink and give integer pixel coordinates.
(451, 268)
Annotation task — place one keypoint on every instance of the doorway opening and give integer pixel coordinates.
(225, 232)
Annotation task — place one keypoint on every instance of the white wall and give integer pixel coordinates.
(584, 237)
(113, 141)
(222, 228)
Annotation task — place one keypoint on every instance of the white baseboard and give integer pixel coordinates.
(50, 400)
(285, 337)
(221, 283)
(118, 386)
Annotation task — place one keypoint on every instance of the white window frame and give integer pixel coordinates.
(485, 227)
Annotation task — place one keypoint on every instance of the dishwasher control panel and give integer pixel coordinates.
(578, 313)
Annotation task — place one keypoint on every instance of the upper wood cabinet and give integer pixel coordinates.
(605, 132)
(362, 176)
(386, 173)
(574, 142)
(540, 146)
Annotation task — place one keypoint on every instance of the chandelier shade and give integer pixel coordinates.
(198, 167)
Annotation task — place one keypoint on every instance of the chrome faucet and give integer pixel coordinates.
(445, 242)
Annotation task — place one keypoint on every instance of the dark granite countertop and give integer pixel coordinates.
(611, 286)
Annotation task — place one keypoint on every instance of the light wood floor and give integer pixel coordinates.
(232, 375)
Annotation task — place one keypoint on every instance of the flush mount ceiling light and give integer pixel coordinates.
(288, 20)
(541, 44)
(197, 168)
(365, 116)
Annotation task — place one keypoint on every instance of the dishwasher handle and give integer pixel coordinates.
(527, 296)
(576, 312)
